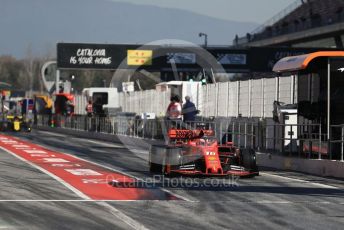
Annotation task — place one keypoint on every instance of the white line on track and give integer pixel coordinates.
(129, 175)
(87, 201)
(299, 180)
(98, 150)
(81, 139)
(113, 145)
(126, 219)
(121, 172)
(100, 143)
(77, 192)
(165, 201)
(141, 151)
(52, 134)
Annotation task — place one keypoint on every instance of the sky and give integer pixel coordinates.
(258, 11)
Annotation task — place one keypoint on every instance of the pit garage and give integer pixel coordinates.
(320, 100)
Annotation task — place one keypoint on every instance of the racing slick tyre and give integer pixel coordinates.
(172, 160)
(157, 155)
(155, 168)
(27, 127)
(174, 156)
(249, 159)
(4, 126)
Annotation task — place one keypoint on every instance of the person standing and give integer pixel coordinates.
(89, 118)
(174, 109)
(89, 109)
(174, 112)
(189, 110)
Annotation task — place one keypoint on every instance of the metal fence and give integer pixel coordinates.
(299, 140)
(120, 125)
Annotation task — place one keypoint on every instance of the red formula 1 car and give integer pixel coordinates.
(197, 152)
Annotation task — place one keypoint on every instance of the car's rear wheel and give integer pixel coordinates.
(155, 168)
(156, 158)
(174, 156)
(172, 160)
(249, 159)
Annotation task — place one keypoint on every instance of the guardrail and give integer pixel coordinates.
(290, 139)
(121, 125)
(339, 143)
(299, 140)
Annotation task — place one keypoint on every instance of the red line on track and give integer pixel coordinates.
(90, 179)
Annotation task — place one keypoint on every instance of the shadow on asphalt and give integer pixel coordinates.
(211, 184)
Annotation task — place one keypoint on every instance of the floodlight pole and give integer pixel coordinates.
(57, 83)
(205, 39)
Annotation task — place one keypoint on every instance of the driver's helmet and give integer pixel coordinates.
(201, 125)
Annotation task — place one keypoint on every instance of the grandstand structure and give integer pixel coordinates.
(305, 23)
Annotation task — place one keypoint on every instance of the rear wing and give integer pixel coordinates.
(189, 134)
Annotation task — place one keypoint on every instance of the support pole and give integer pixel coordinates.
(342, 145)
(57, 82)
(329, 107)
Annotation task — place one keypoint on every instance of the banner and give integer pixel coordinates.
(231, 59)
(139, 57)
(181, 58)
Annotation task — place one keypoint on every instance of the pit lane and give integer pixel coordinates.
(273, 200)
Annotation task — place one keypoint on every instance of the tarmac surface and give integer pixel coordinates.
(32, 198)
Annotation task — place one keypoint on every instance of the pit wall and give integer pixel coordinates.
(327, 168)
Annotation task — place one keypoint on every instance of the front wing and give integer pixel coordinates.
(240, 173)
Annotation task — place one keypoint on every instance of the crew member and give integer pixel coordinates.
(174, 109)
(89, 109)
(189, 110)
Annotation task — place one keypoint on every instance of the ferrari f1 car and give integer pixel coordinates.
(197, 152)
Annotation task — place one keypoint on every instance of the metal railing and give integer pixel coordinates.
(292, 139)
(337, 140)
(300, 140)
(121, 125)
(280, 15)
(273, 28)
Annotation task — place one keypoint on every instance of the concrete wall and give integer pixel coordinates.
(80, 104)
(150, 101)
(317, 167)
(257, 98)
(269, 96)
(222, 95)
(250, 98)
(244, 98)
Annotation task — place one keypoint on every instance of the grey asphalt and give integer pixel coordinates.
(274, 200)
